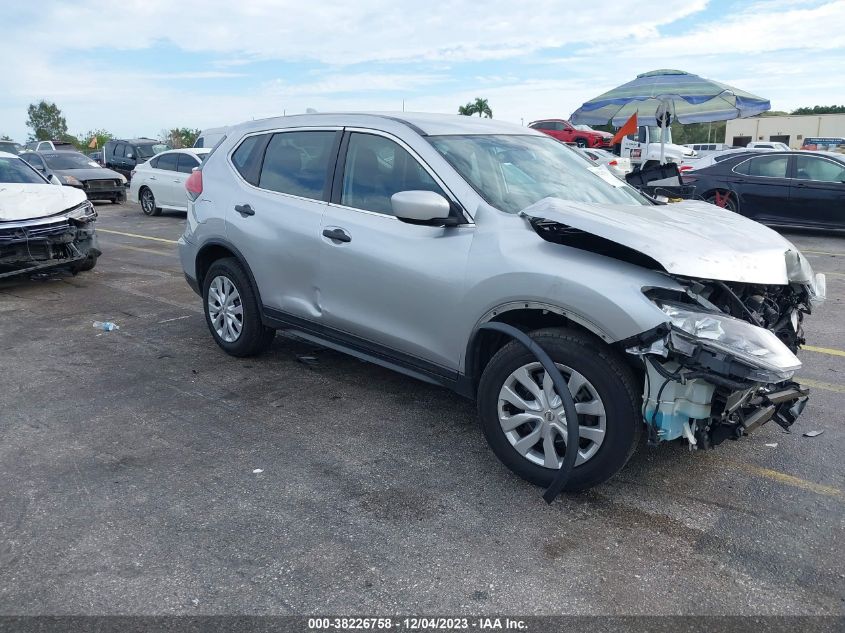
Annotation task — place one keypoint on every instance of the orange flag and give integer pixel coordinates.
(93, 143)
(630, 127)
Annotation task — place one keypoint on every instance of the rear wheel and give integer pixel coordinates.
(148, 202)
(232, 312)
(522, 415)
(580, 142)
(724, 199)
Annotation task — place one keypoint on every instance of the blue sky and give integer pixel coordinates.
(136, 67)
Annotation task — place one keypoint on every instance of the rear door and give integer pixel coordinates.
(274, 208)
(394, 285)
(762, 186)
(185, 165)
(817, 195)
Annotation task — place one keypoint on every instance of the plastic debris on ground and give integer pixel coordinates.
(257, 471)
(812, 433)
(105, 326)
(772, 445)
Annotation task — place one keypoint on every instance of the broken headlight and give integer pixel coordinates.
(754, 345)
(799, 271)
(85, 212)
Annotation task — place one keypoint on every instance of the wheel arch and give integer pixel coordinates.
(216, 249)
(527, 316)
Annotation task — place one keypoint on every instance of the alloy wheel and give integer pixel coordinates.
(225, 309)
(148, 202)
(533, 420)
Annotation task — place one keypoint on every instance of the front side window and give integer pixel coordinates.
(819, 169)
(375, 169)
(513, 172)
(168, 162)
(16, 171)
(297, 163)
(764, 166)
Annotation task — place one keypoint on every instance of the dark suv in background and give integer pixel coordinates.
(123, 155)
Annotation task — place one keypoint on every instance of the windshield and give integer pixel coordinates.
(8, 146)
(68, 160)
(654, 133)
(14, 170)
(148, 151)
(512, 172)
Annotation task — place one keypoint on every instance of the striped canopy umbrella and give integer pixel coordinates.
(687, 97)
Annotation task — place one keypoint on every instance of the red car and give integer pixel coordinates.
(582, 135)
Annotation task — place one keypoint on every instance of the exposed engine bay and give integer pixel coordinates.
(723, 362)
(64, 239)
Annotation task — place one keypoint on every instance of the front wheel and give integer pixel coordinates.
(580, 142)
(523, 420)
(232, 311)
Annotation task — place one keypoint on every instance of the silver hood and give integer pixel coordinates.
(691, 238)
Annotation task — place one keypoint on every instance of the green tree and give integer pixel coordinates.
(180, 136)
(833, 109)
(46, 121)
(481, 107)
(101, 135)
(466, 110)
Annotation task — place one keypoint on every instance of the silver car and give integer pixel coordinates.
(395, 237)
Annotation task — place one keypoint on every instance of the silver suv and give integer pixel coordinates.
(395, 237)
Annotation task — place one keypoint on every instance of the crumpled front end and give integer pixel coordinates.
(723, 362)
(64, 239)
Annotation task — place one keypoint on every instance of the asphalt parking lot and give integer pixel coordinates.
(130, 475)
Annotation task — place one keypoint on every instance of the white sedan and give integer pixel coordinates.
(159, 183)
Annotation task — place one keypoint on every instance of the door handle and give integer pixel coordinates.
(339, 235)
(244, 209)
(152, 177)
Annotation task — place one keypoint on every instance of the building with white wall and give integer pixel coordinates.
(790, 129)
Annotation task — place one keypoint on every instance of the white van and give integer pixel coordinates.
(703, 149)
(211, 137)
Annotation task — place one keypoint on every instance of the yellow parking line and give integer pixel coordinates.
(141, 249)
(824, 253)
(790, 480)
(140, 237)
(817, 384)
(823, 350)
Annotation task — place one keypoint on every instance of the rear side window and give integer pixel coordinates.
(167, 161)
(764, 166)
(247, 159)
(187, 163)
(297, 163)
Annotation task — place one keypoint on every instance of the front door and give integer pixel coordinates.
(817, 195)
(395, 285)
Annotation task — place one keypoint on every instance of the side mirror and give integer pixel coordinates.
(54, 180)
(419, 206)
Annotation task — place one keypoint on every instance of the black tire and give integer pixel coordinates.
(254, 336)
(613, 381)
(86, 264)
(148, 202)
(730, 203)
(581, 142)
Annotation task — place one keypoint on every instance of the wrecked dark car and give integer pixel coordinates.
(43, 225)
(406, 239)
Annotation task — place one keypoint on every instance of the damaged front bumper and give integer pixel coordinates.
(710, 376)
(65, 239)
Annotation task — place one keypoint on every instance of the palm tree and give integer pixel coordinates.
(482, 107)
(466, 110)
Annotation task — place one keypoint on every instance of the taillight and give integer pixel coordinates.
(613, 162)
(194, 184)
